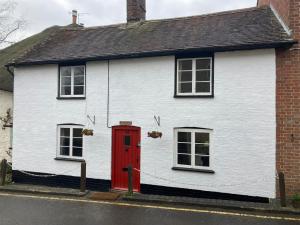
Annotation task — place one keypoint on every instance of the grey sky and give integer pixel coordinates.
(40, 14)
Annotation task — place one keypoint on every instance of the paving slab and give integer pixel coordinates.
(35, 189)
(272, 207)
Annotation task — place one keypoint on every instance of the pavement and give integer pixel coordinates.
(35, 189)
(273, 207)
(25, 209)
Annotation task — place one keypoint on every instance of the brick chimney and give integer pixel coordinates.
(136, 10)
(288, 96)
(74, 17)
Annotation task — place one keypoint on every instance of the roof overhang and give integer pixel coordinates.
(276, 45)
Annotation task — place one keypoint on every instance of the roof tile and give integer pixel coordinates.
(239, 28)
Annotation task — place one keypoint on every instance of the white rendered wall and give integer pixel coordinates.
(6, 102)
(242, 116)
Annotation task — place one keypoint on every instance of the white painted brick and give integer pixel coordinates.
(242, 116)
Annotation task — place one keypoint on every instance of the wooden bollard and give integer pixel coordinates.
(3, 172)
(130, 184)
(83, 177)
(282, 189)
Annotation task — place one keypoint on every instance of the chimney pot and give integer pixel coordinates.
(136, 10)
(74, 17)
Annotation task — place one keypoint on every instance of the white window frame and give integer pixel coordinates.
(71, 127)
(194, 70)
(193, 131)
(72, 95)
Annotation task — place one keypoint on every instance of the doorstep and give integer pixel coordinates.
(36, 189)
(272, 207)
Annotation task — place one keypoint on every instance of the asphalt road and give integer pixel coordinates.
(39, 210)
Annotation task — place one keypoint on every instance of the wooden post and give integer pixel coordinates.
(282, 189)
(83, 177)
(130, 184)
(3, 172)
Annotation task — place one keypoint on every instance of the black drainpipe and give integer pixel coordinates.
(10, 72)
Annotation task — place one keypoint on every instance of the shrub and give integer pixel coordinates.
(296, 197)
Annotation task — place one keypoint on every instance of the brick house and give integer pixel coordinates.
(288, 95)
(213, 85)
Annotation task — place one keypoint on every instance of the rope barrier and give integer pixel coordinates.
(190, 184)
(148, 174)
(41, 175)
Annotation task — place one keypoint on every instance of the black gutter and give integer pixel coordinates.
(285, 44)
(8, 70)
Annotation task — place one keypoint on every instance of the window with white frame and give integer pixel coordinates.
(70, 141)
(192, 148)
(72, 81)
(194, 77)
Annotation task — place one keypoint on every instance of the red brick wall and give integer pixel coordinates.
(281, 6)
(136, 10)
(288, 98)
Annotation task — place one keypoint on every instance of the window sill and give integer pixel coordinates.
(193, 96)
(193, 170)
(68, 159)
(71, 98)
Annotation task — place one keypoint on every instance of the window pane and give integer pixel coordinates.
(65, 132)
(185, 87)
(184, 159)
(203, 75)
(202, 149)
(127, 140)
(79, 80)
(202, 87)
(202, 64)
(65, 71)
(202, 160)
(78, 70)
(66, 81)
(77, 152)
(77, 142)
(64, 151)
(78, 90)
(202, 138)
(184, 137)
(184, 148)
(65, 90)
(64, 141)
(186, 76)
(185, 64)
(77, 132)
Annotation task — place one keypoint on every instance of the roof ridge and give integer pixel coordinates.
(243, 29)
(228, 12)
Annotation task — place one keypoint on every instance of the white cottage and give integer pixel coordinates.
(6, 104)
(206, 83)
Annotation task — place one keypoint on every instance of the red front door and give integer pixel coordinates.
(125, 152)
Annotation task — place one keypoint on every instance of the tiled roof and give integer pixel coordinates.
(16, 51)
(240, 29)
